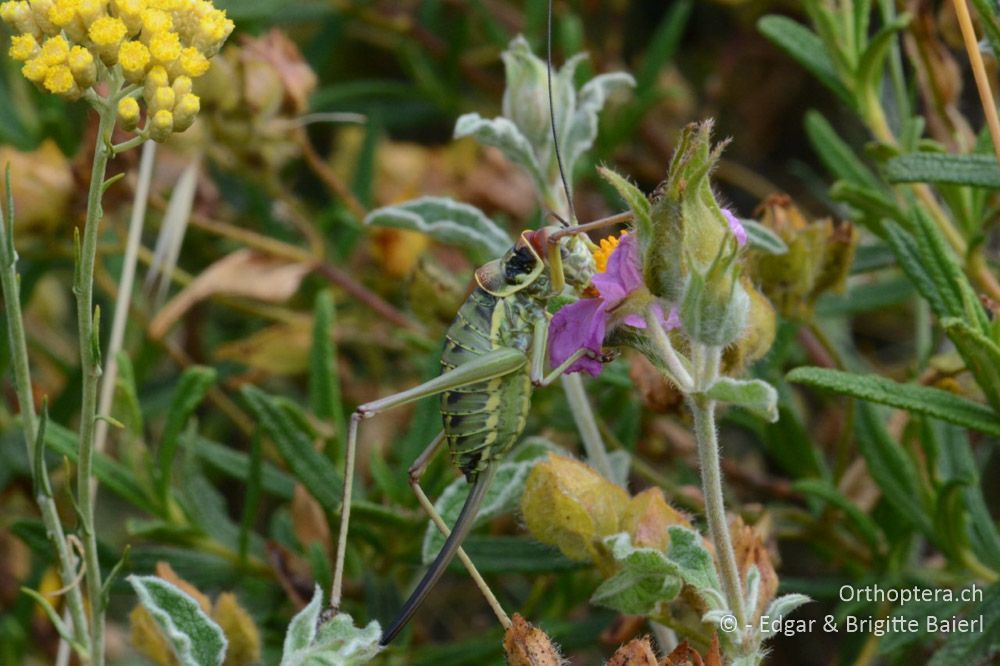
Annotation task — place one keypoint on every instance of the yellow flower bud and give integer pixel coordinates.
(161, 126)
(23, 47)
(156, 77)
(18, 15)
(130, 12)
(55, 50)
(181, 86)
(91, 10)
(165, 47)
(107, 34)
(81, 63)
(185, 111)
(63, 14)
(193, 63)
(211, 31)
(35, 70)
(40, 13)
(128, 113)
(162, 99)
(59, 80)
(134, 59)
(155, 21)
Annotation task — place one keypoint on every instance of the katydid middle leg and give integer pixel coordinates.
(497, 363)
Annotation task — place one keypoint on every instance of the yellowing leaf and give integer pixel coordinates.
(647, 518)
(568, 505)
(240, 631)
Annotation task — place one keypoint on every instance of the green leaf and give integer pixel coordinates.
(311, 468)
(865, 526)
(870, 67)
(502, 497)
(194, 637)
(806, 48)
(590, 101)
(921, 399)
(334, 642)
(503, 134)
(113, 475)
(508, 554)
(836, 155)
(634, 198)
(981, 355)
(447, 221)
(974, 647)
(238, 465)
(891, 468)
(763, 239)
(781, 607)
(754, 395)
(971, 170)
(56, 619)
(191, 389)
(989, 21)
(694, 562)
(324, 380)
(646, 579)
(663, 45)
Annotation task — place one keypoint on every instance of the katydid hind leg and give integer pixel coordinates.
(497, 363)
(451, 545)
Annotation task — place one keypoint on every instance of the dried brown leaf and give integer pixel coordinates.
(282, 349)
(240, 631)
(309, 520)
(245, 274)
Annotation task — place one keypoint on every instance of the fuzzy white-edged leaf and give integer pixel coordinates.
(645, 579)
(781, 607)
(335, 642)
(763, 239)
(447, 221)
(754, 395)
(752, 591)
(505, 135)
(589, 103)
(195, 639)
(693, 561)
(502, 497)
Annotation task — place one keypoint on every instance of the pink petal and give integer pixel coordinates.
(623, 275)
(576, 326)
(736, 227)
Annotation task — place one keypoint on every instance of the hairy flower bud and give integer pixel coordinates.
(161, 125)
(716, 306)
(81, 63)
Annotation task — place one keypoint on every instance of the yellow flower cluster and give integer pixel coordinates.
(603, 252)
(68, 45)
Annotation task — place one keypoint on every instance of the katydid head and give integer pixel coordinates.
(523, 267)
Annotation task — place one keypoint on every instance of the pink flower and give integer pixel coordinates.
(582, 325)
(735, 226)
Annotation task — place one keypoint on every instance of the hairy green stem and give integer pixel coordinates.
(586, 424)
(706, 435)
(86, 486)
(29, 422)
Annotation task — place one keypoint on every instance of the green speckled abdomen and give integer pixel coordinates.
(482, 421)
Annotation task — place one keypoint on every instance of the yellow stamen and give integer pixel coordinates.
(604, 251)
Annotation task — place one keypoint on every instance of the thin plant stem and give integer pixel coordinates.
(586, 424)
(91, 372)
(979, 73)
(703, 410)
(29, 422)
(123, 300)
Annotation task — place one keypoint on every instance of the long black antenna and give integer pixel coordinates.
(552, 122)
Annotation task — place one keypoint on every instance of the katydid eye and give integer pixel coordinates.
(519, 265)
